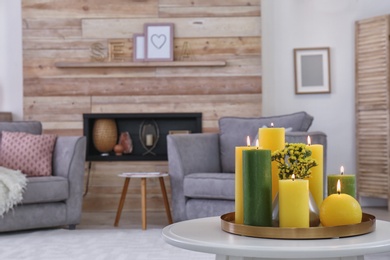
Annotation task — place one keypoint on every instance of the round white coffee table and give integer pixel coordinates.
(205, 235)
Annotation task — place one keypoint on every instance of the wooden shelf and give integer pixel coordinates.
(145, 64)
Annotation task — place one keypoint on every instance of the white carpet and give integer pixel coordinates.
(99, 244)
(112, 244)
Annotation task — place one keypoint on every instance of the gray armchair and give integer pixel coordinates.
(55, 200)
(201, 166)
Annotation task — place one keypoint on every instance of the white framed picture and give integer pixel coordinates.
(138, 47)
(312, 70)
(158, 41)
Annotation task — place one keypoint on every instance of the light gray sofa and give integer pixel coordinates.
(50, 201)
(201, 166)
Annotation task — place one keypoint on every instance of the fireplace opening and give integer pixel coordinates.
(141, 136)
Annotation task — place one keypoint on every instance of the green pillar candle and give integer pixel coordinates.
(257, 175)
(347, 183)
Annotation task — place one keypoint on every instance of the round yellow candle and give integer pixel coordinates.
(294, 203)
(272, 139)
(316, 180)
(239, 190)
(340, 209)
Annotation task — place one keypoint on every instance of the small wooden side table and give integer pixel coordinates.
(143, 176)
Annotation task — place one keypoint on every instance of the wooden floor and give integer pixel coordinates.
(158, 219)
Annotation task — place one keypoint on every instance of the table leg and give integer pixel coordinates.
(166, 202)
(122, 201)
(143, 202)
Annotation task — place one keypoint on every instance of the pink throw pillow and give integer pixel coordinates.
(31, 154)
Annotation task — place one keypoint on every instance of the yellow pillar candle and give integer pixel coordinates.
(272, 139)
(347, 181)
(316, 180)
(239, 190)
(294, 203)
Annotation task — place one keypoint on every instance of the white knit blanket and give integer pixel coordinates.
(12, 185)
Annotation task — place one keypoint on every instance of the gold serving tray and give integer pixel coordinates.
(366, 226)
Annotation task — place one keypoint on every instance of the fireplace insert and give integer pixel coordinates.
(140, 136)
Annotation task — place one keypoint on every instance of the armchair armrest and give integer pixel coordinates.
(190, 153)
(69, 162)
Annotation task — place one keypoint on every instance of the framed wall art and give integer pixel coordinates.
(312, 70)
(138, 47)
(158, 41)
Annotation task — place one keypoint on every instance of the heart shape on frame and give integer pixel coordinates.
(158, 41)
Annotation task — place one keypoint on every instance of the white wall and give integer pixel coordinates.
(11, 66)
(316, 23)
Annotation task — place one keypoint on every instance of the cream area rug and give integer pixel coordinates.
(97, 244)
(12, 185)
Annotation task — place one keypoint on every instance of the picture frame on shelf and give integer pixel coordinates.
(138, 47)
(312, 70)
(158, 41)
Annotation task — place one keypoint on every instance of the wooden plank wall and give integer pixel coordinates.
(56, 31)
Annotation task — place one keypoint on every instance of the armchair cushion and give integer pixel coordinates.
(209, 185)
(29, 153)
(234, 130)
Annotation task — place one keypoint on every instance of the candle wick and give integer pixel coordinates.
(338, 192)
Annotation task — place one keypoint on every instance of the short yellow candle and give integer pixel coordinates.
(316, 180)
(239, 190)
(294, 203)
(340, 209)
(272, 139)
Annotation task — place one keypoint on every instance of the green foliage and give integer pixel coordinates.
(294, 159)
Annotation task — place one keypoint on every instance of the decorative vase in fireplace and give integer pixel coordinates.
(104, 135)
(126, 141)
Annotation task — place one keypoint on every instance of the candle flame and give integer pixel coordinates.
(308, 140)
(293, 177)
(257, 143)
(342, 170)
(248, 141)
(272, 124)
(338, 187)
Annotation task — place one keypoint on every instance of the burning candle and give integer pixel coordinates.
(348, 182)
(340, 209)
(273, 139)
(257, 179)
(316, 181)
(239, 190)
(294, 203)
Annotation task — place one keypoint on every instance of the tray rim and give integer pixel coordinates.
(367, 225)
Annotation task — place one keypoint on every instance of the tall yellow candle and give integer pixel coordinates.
(272, 139)
(239, 185)
(294, 203)
(316, 180)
